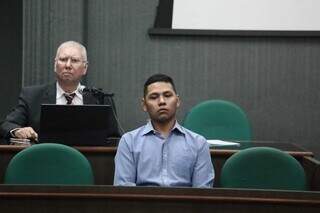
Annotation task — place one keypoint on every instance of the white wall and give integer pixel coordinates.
(280, 15)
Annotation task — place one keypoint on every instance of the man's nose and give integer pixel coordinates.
(68, 64)
(161, 100)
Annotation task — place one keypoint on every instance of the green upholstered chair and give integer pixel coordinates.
(49, 163)
(263, 168)
(218, 119)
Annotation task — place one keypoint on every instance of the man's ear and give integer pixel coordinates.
(178, 101)
(55, 66)
(85, 69)
(143, 105)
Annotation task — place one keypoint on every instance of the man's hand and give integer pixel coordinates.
(26, 133)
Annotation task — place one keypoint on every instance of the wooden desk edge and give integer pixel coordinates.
(253, 198)
(113, 149)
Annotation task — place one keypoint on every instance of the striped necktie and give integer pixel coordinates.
(69, 97)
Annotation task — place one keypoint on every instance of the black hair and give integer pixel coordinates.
(158, 78)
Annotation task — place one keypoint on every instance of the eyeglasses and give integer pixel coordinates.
(74, 61)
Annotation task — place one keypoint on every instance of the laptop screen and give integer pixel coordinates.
(77, 125)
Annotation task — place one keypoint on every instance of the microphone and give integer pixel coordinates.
(94, 91)
(97, 92)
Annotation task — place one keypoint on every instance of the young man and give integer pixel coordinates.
(162, 153)
(70, 66)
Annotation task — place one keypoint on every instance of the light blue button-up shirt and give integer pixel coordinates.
(145, 158)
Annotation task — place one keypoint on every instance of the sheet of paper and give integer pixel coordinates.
(222, 143)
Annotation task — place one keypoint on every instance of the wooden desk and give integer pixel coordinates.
(102, 160)
(82, 199)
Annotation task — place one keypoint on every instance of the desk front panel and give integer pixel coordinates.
(102, 161)
(97, 199)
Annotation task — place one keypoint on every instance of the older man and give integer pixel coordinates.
(70, 66)
(162, 153)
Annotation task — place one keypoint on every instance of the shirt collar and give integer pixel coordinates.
(60, 91)
(149, 128)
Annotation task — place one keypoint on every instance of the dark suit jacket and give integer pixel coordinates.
(27, 112)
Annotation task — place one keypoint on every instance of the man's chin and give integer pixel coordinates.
(163, 119)
(67, 79)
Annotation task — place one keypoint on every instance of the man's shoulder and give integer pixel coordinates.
(191, 133)
(192, 137)
(39, 87)
(37, 94)
(134, 133)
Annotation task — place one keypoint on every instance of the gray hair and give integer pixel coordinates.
(74, 44)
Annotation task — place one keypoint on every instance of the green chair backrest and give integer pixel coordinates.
(218, 119)
(49, 163)
(263, 168)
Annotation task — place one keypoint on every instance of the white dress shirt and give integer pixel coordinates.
(60, 98)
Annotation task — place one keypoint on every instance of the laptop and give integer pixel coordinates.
(78, 125)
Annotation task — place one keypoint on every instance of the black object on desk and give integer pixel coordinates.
(77, 125)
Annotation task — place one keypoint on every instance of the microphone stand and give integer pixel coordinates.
(102, 97)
